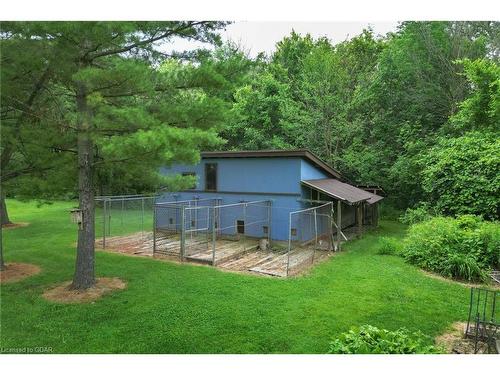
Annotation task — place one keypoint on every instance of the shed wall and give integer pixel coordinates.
(311, 172)
(252, 175)
(282, 205)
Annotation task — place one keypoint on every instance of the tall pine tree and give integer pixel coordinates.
(122, 103)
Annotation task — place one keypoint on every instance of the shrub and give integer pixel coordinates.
(417, 214)
(461, 175)
(464, 248)
(372, 340)
(388, 246)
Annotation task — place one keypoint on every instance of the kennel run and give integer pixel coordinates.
(119, 216)
(236, 236)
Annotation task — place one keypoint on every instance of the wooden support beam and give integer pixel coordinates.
(360, 219)
(339, 223)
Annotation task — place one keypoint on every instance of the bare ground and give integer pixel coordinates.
(104, 285)
(454, 342)
(15, 225)
(491, 285)
(18, 271)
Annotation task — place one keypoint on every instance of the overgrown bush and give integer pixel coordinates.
(421, 212)
(461, 175)
(372, 340)
(464, 248)
(388, 246)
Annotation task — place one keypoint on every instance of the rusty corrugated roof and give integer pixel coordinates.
(343, 191)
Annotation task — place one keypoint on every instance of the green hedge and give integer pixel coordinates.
(464, 248)
(372, 340)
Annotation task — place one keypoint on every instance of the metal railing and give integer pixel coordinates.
(483, 321)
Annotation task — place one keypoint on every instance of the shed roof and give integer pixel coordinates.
(301, 153)
(374, 199)
(343, 191)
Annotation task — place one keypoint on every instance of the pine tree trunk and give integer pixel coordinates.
(4, 215)
(2, 264)
(84, 269)
(4, 218)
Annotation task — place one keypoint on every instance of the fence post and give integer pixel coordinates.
(142, 218)
(154, 229)
(315, 233)
(123, 207)
(109, 218)
(104, 225)
(214, 234)
(183, 232)
(269, 221)
(244, 225)
(289, 242)
(196, 213)
(207, 232)
(332, 213)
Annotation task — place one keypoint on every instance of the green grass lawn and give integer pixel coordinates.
(174, 308)
(118, 222)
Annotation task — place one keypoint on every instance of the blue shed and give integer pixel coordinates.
(290, 179)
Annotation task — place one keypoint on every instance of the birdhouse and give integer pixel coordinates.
(77, 216)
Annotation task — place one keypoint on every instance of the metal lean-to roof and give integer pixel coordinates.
(340, 190)
(305, 154)
(374, 199)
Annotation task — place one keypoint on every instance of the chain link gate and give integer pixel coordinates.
(172, 221)
(198, 222)
(310, 234)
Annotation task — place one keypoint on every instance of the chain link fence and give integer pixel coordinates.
(176, 221)
(117, 217)
(209, 232)
(310, 236)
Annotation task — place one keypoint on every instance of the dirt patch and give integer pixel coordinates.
(495, 286)
(17, 271)
(104, 285)
(454, 341)
(14, 225)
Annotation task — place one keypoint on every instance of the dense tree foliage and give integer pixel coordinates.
(122, 102)
(98, 107)
(460, 175)
(378, 107)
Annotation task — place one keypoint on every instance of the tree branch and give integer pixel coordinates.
(146, 41)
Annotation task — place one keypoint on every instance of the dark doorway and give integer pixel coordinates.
(211, 176)
(240, 226)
